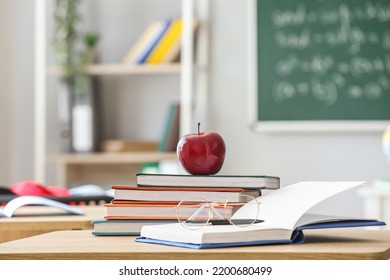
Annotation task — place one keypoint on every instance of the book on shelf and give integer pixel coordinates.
(161, 210)
(146, 42)
(159, 43)
(105, 227)
(168, 42)
(170, 133)
(230, 181)
(286, 213)
(117, 146)
(123, 192)
(16, 203)
(172, 53)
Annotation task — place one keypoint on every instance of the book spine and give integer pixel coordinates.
(143, 41)
(163, 28)
(167, 41)
(168, 129)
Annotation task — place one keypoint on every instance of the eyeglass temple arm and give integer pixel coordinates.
(196, 213)
(215, 211)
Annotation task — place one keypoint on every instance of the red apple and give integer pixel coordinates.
(201, 153)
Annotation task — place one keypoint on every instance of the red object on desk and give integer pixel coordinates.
(34, 188)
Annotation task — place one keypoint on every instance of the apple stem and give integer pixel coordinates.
(198, 128)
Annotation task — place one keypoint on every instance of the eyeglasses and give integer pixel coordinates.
(197, 212)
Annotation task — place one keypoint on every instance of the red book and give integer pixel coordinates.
(156, 210)
(177, 194)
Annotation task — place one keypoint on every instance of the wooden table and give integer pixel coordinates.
(319, 244)
(34, 220)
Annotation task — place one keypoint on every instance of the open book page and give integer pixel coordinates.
(20, 201)
(311, 218)
(284, 207)
(215, 234)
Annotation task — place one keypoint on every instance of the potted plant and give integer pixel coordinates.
(74, 52)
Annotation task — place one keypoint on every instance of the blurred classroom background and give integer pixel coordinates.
(136, 105)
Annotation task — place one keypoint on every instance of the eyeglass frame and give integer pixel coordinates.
(210, 220)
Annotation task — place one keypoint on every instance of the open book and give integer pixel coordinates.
(16, 203)
(286, 213)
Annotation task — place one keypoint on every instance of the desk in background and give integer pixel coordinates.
(377, 203)
(82, 245)
(34, 220)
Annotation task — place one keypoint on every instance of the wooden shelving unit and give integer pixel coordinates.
(103, 169)
(108, 168)
(119, 167)
(123, 69)
(111, 158)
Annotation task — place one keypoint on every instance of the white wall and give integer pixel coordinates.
(17, 90)
(5, 90)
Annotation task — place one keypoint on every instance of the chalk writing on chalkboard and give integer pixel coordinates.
(323, 60)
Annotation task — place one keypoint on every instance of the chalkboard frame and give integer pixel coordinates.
(256, 124)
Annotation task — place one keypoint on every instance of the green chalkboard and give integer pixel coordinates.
(322, 60)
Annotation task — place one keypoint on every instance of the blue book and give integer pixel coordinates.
(162, 28)
(286, 213)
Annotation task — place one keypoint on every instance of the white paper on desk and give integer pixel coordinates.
(20, 201)
(287, 205)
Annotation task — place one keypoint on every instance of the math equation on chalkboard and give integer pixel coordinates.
(323, 60)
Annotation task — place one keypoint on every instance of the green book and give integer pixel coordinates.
(105, 227)
(170, 134)
(183, 180)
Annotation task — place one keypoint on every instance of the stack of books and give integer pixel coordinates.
(159, 43)
(155, 197)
